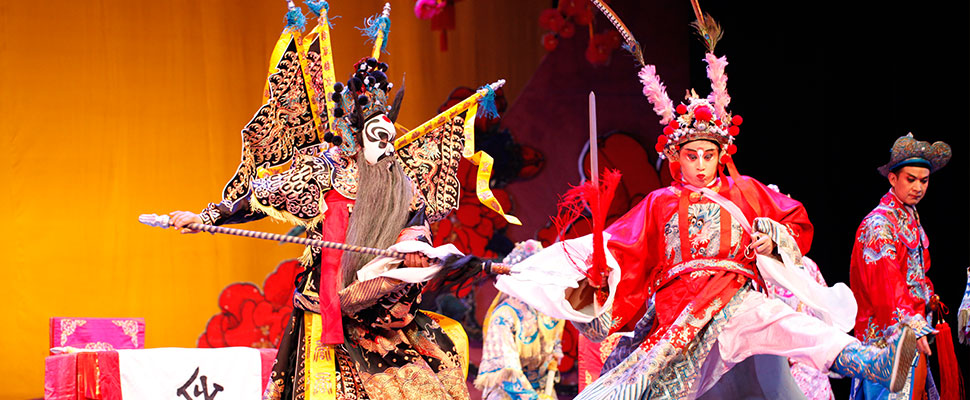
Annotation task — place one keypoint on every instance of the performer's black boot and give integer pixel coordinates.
(888, 366)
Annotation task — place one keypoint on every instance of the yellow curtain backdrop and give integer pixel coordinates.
(114, 108)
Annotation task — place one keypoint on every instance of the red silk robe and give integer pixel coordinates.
(647, 242)
(890, 258)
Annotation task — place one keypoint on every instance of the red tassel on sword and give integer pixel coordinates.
(597, 198)
(951, 381)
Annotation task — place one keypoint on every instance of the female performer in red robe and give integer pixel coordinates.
(687, 271)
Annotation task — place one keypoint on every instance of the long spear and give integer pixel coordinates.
(164, 221)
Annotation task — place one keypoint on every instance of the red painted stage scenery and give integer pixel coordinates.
(251, 317)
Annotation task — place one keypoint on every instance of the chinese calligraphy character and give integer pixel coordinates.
(204, 391)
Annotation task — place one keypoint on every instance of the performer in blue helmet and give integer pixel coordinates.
(890, 258)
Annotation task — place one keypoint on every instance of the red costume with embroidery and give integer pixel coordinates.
(890, 258)
(686, 283)
(681, 276)
(888, 271)
(647, 242)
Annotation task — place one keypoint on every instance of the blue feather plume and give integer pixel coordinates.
(374, 25)
(486, 105)
(317, 7)
(295, 20)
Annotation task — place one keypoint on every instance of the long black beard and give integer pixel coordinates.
(380, 212)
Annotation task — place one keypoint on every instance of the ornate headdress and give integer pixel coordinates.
(698, 118)
(363, 98)
(306, 112)
(909, 151)
(365, 94)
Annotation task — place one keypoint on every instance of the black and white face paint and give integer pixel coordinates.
(378, 138)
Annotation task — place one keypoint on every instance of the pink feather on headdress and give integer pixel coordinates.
(656, 93)
(719, 95)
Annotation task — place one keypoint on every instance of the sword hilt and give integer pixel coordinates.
(159, 221)
(494, 268)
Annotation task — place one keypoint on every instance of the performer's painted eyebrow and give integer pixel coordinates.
(694, 150)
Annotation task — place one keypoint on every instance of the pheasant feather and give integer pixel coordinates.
(631, 43)
(708, 29)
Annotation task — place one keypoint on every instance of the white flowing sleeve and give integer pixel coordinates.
(542, 279)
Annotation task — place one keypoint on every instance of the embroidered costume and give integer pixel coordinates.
(683, 279)
(701, 299)
(522, 347)
(813, 383)
(890, 258)
(963, 314)
(355, 331)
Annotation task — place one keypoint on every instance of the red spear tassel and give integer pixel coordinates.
(951, 381)
(571, 208)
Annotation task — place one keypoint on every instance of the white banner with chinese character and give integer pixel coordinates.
(190, 374)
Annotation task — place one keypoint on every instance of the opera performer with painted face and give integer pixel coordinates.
(890, 258)
(688, 267)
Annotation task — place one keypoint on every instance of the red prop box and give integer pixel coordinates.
(97, 333)
(100, 374)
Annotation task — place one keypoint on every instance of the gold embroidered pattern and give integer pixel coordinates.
(431, 162)
(283, 125)
(608, 345)
(704, 264)
(416, 382)
(349, 386)
(295, 195)
(130, 328)
(320, 81)
(68, 326)
(345, 176)
(101, 346)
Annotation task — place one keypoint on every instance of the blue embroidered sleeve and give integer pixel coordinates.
(598, 329)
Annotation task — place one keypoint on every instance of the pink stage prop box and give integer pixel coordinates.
(98, 333)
